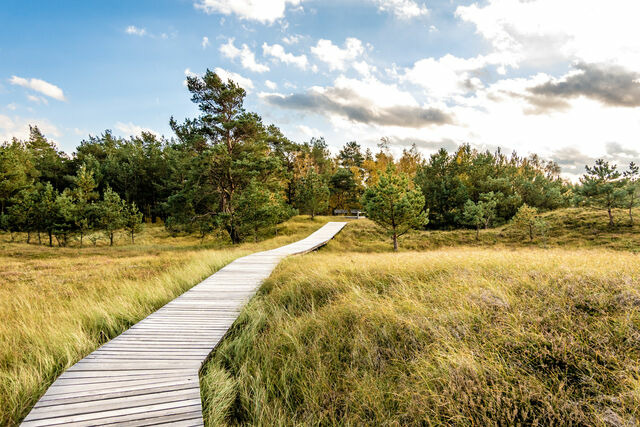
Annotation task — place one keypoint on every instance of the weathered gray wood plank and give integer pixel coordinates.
(149, 374)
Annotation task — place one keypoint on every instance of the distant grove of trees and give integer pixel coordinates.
(227, 170)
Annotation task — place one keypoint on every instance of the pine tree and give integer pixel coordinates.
(313, 194)
(394, 205)
(84, 195)
(132, 220)
(602, 187)
(111, 213)
(526, 218)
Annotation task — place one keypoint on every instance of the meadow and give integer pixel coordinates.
(59, 304)
(448, 331)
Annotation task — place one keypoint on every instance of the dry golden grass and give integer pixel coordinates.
(59, 304)
(454, 336)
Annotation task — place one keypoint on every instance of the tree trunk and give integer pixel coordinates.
(28, 237)
(39, 238)
(111, 239)
(50, 238)
(531, 232)
(611, 223)
(132, 237)
(395, 242)
(81, 237)
(478, 232)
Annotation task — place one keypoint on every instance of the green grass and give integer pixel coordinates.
(59, 304)
(572, 228)
(449, 331)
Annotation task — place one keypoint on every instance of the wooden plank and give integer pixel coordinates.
(149, 374)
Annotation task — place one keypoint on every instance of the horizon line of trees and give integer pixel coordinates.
(226, 170)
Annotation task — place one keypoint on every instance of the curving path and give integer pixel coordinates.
(149, 374)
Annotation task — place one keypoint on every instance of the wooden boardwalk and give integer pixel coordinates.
(149, 374)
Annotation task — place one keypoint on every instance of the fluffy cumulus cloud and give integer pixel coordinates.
(336, 57)
(277, 51)
(40, 86)
(205, 42)
(246, 56)
(448, 75)
(367, 101)
(265, 11)
(244, 82)
(550, 31)
(404, 9)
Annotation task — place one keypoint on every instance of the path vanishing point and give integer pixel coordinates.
(148, 375)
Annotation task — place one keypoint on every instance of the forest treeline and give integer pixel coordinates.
(227, 170)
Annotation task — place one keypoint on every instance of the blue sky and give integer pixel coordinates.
(558, 78)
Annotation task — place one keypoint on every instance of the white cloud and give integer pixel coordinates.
(130, 129)
(18, 127)
(244, 82)
(247, 57)
(12, 106)
(264, 11)
(363, 68)
(291, 39)
(40, 86)
(277, 51)
(205, 42)
(271, 85)
(338, 58)
(546, 32)
(404, 9)
(309, 132)
(135, 31)
(446, 76)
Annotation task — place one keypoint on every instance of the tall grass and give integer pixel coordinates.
(461, 336)
(59, 304)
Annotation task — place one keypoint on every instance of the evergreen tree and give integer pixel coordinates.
(235, 151)
(394, 205)
(312, 194)
(111, 214)
(526, 218)
(47, 210)
(480, 213)
(132, 220)
(602, 187)
(257, 208)
(473, 215)
(84, 195)
(64, 217)
(17, 171)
